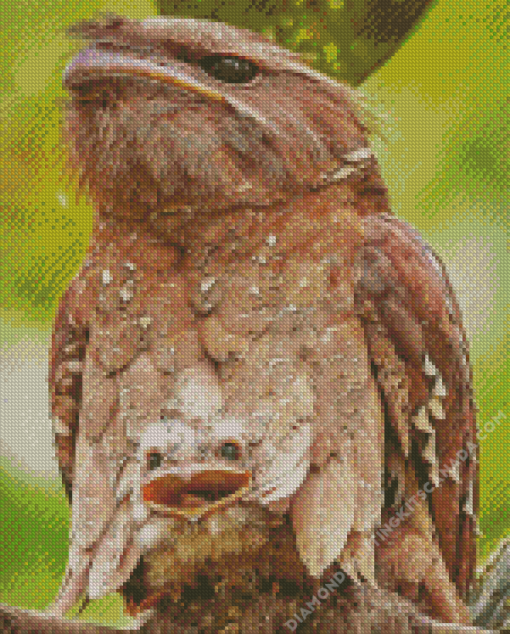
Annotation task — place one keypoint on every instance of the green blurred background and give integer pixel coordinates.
(443, 100)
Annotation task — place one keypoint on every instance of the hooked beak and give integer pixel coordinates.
(195, 496)
(95, 63)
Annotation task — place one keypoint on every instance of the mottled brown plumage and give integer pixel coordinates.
(247, 286)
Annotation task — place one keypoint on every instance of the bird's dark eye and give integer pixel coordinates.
(232, 70)
(154, 460)
(230, 451)
(203, 450)
(92, 93)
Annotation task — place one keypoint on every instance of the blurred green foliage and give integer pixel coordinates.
(34, 526)
(445, 154)
(347, 39)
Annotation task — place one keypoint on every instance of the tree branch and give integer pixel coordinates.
(19, 621)
(375, 609)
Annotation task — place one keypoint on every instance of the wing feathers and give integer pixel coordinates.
(419, 353)
(94, 493)
(323, 514)
(65, 379)
(116, 557)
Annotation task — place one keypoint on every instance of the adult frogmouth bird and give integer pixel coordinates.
(259, 376)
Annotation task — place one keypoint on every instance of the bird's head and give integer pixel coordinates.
(174, 112)
(190, 472)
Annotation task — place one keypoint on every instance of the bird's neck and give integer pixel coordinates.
(171, 238)
(178, 235)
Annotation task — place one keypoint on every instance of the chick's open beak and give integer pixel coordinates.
(199, 495)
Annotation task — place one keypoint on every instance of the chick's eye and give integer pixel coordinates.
(154, 460)
(232, 70)
(230, 451)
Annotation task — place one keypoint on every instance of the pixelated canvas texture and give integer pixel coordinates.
(439, 111)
